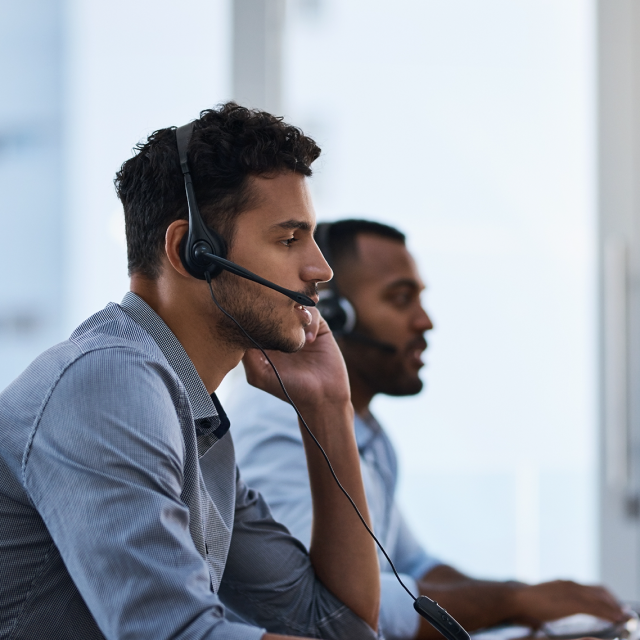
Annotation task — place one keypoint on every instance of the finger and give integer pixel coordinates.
(607, 595)
(601, 606)
(606, 600)
(312, 330)
(559, 599)
(616, 608)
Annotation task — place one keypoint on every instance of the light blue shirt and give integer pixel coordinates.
(270, 455)
(122, 514)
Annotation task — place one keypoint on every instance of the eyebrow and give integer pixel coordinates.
(403, 282)
(293, 224)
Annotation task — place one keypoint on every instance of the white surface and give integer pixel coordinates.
(579, 624)
(503, 633)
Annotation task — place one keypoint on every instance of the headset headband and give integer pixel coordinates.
(199, 240)
(183, 137)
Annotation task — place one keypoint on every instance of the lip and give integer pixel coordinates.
(417, 344)
(414, 351)
(415, 358)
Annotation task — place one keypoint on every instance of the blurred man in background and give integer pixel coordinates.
(373, 306)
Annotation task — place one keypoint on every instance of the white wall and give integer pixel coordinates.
(470, 125)
(31, 259)
(133, 66)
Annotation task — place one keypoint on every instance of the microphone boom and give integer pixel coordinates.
(237, 270)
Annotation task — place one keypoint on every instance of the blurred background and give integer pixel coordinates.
(500, 135)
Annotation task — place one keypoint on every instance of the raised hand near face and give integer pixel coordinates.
(313, 375)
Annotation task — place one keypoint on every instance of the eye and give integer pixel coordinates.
(289, 241)
(402, 298)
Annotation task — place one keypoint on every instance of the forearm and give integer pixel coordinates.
(483, 603)
(475, 604)
(342, 552)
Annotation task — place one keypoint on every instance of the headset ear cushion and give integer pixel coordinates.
(218, 247)
(338, 312)
(349, 315)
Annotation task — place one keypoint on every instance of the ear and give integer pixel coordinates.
(172, 240)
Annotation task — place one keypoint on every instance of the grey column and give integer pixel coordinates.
(258, 27)
(619, 268)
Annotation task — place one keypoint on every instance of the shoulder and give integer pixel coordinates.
(112, 327)
(81, 373)
(252, 411)
(117, 373)
(111, 404)
(112, 372)
(113, 348)
(264, 429)
(370, 434)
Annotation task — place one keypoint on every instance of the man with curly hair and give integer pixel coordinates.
(122, 514)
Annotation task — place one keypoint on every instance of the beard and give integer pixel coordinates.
(382, 371)
(256, 314)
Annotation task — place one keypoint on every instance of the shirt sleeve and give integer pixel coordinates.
(398, 619)
(410, 556)
(269, 579)
(104, 469)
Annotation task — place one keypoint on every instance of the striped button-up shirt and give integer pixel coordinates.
(122, 514)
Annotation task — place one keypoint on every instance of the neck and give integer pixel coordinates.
(212, 356)
(361, 394)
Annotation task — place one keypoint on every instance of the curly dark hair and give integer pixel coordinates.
(229, 144)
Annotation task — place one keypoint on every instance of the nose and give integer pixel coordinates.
(423, 321)
(318, 269)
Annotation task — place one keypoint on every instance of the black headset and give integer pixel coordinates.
(203, 251)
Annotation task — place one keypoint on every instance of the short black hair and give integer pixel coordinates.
(229, 144)
(342, 234)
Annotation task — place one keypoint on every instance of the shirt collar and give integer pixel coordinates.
(211, 420)
(367, 429)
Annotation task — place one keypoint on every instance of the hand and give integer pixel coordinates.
(316, 374)
(535, 604)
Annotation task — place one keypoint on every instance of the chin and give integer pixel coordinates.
(294, 337)
(406, 387)
(297, 342)
(288, 342)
